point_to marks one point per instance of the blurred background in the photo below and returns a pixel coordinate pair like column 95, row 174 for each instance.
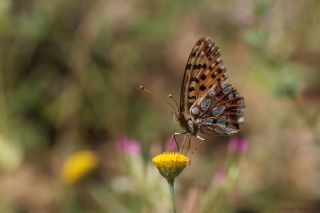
column 77, row 134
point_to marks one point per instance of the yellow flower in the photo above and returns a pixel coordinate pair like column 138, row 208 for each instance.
column 170, row 164
column 78, row 165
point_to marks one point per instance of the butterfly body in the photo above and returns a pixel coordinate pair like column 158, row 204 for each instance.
column 208, row 103
column 188, row 124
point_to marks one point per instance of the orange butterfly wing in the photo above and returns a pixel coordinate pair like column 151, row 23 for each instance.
column 206, row 97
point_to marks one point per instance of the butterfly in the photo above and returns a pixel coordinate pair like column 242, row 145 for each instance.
column 208, row 103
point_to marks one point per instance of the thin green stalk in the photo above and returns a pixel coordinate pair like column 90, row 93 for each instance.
column 173, row 201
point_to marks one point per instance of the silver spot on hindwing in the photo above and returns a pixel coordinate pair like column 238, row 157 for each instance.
column 239, row 109
column 230, row 126
column 221, row 122
column 226, row 88
column 212, row 92
column 207, row 121
column 204, row 104
column 231, row 96
column 218, row 110
column 240, row 102
column 195, row 110
column 231, row 129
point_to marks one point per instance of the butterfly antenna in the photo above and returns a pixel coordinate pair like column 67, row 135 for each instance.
column 156, row 96
column 175, row 101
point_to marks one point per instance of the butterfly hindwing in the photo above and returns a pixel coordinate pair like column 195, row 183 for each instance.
column 219, row 110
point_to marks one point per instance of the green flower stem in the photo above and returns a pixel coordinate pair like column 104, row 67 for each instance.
column 173, row 201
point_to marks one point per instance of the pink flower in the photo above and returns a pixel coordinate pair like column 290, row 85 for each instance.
column 218, row 177
column 130, row 146
column 238, row 145
column 170, row 145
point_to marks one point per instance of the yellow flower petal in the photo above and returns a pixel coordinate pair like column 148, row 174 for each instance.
column 77, row 165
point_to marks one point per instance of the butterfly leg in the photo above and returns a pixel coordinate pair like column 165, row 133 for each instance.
column 175, row 140
column 197, row 145
column 200, row 138
column 174, row 137
column 180, row 133
column 189, row 145
column 184, row 141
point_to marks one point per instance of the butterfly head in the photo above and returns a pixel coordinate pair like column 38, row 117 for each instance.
column 177, row 115
column 180, row 119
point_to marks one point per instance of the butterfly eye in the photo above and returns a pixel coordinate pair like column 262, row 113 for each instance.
column 180, row 116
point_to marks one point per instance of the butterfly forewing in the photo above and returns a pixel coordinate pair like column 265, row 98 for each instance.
column 207, row 100
column 204, row 67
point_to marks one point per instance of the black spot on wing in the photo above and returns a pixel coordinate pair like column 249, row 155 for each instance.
column 197, row 66
column 202, row 87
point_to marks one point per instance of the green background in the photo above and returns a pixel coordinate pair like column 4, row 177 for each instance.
column 69, row 77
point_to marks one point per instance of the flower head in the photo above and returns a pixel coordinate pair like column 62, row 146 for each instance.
column 238, row 145
column 78, row 165
column 170, row 164
column 130, row 146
